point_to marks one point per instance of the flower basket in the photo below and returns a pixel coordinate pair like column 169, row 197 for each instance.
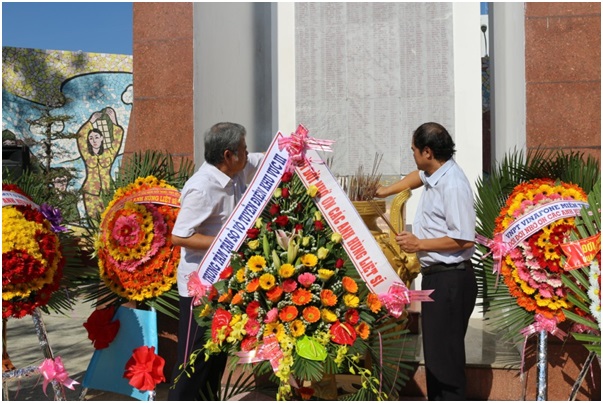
column 291, row 297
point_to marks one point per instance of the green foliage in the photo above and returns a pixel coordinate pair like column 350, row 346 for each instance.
column 307, row 369
column 502, row 313
column 588, row 223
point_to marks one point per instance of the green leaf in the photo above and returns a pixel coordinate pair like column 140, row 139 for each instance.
column 307, row 369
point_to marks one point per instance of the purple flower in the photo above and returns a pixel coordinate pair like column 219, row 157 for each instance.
column 53, row 215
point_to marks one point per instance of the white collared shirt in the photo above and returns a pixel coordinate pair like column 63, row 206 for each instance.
column 206, row 201
column 445, row 209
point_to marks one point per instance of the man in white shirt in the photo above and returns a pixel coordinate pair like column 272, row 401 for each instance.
column 207, row 200
column 444, row 235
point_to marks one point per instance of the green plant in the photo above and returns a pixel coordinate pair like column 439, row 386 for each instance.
column 582, row 281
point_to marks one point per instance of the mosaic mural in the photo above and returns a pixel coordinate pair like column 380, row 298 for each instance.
column 93, row 91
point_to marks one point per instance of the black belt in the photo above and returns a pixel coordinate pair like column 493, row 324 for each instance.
column 440, row 267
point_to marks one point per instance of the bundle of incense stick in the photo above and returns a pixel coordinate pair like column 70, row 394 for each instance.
column 382, row 215
column 361, row 187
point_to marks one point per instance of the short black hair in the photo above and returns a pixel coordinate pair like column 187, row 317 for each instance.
column 436, row 137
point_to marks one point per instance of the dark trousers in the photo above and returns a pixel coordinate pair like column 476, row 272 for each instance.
column 204, row 382
column 444, row 324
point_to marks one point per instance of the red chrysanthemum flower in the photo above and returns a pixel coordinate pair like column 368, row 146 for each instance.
column 253, row 309
column 226, row 273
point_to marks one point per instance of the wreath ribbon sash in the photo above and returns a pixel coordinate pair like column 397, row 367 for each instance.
column 10, row 198
column 525, row 226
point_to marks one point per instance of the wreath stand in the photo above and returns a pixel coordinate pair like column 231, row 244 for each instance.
column 541, row 366
column 583, row 372
column 10, row 373
column 542, row 370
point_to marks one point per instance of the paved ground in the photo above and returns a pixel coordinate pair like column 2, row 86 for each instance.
column 68, row 339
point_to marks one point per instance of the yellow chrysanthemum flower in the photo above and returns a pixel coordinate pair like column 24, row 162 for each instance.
column 275, row 328
column 240, row 275
column 286, row 270
column 267, row 281
column 298, row 328
column 544, row 238
column 550, row 253
column 527, row 289
column 256, row 263
column 309, row 260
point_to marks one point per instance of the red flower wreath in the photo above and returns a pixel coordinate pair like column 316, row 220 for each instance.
column 32, row 261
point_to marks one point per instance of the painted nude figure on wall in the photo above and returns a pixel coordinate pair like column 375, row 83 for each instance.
column 99, row 141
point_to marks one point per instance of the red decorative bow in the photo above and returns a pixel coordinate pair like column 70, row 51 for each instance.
column 144, row 369
column 101, row 327
column 55, row 370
